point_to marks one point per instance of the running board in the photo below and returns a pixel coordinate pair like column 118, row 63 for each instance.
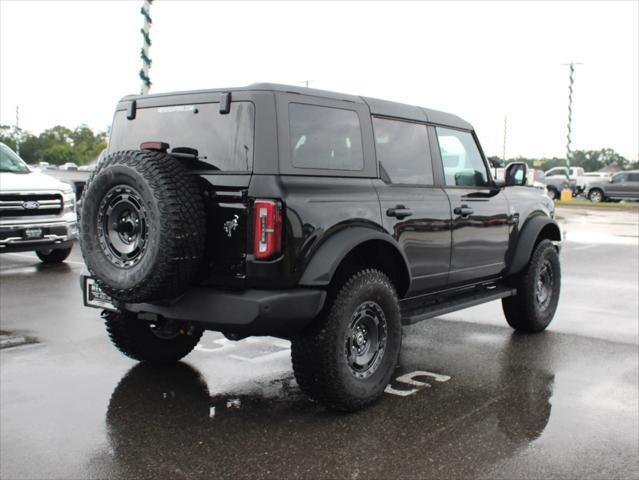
column 460, row 302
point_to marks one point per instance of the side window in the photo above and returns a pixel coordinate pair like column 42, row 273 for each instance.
column 403, row 152
column 620, row 177
column 463, row 165
column 325, row 138
column 633, row 177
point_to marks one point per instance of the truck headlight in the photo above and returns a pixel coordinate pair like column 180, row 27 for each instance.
column 69, row 202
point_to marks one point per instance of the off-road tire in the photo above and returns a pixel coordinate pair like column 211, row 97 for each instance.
column 596, row 195
column 175, row 223
column 319, row 358
column 135, row 338
column 523, row 311
column 53, row 256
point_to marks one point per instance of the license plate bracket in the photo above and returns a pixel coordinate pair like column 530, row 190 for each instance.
column 95, row 297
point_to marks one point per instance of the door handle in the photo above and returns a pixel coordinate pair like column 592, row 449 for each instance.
column 464, row 211
column 400, row 211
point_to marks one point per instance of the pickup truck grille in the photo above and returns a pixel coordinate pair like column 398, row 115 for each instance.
column 30, row 204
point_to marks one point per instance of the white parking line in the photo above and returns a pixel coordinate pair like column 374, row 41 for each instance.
column 32, row 258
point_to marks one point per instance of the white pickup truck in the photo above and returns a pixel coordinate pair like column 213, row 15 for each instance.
column 577, row 174
column 37, row 212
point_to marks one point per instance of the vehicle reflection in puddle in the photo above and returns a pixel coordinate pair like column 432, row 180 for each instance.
column 158, row 417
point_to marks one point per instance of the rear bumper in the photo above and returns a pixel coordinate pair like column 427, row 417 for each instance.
column 247, row 312
column 55, row 235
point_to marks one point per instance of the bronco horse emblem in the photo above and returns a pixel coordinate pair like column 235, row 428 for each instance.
column 231, row 225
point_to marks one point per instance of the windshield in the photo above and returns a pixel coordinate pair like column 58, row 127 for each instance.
column 223, row 141
column 10, row 162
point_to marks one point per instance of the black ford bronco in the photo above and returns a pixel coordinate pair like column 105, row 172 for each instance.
column 327, row 219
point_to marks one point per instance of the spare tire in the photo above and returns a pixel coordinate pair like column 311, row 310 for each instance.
column 142, row 226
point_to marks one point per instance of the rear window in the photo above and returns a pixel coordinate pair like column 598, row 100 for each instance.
column 325, row 138
column 223, row 141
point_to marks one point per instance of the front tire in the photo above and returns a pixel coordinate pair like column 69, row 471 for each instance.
column 53, row 256
column 157, row 344
column 533, row 307
column 346, row 358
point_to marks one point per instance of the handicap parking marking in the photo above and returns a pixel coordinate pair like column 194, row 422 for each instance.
column 409, row 379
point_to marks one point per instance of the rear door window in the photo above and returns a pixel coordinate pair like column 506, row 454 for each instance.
column 403, row 151
column 325, row 138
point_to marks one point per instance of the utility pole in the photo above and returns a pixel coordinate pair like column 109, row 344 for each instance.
column 569, row 135
column 144, row 52
column 18, row 130
column 503, row 154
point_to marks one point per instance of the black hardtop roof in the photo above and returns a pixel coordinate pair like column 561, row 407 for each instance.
column 376, row 106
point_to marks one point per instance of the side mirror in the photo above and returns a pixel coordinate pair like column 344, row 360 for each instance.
column 516, row 174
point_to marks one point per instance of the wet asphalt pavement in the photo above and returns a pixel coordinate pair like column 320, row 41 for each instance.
column 489, row 403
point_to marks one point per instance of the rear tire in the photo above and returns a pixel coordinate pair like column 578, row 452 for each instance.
column 346, row 358
column 596, row 195
column 553, row 194
column 53, row 256
column 139, row 340
column 534, row 306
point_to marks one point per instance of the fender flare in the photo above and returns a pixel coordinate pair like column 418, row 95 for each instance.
column 527, row 239
column 326, row 259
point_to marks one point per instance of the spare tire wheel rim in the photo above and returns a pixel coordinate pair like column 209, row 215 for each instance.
column 123, row 226
column 365, row 341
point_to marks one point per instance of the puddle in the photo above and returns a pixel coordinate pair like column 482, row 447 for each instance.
column 15, row 339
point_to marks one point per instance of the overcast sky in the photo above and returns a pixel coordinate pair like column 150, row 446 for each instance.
column 69, row 62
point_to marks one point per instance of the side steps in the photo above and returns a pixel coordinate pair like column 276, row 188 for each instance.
column 414, row 311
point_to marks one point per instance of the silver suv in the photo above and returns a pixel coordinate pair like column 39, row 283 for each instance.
column 37, row 212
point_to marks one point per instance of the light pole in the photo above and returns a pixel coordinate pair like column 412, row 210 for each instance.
column 569, row 134
column 18, row 130
column 144, row 52
column 503, row 153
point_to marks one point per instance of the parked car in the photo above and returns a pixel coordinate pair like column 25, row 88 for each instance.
column 68, row 166
column 577, row 177
column 37, row 212
column 621, row 186
column 324, row 218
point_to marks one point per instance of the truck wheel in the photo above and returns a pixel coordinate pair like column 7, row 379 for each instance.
column 346, row 358
column 142, row 226
column 553, row 194
column 53, row 256
column 152, row 343
column 534, row 305
column 595, row 195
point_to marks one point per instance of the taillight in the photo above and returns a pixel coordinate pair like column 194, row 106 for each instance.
column 268, row 229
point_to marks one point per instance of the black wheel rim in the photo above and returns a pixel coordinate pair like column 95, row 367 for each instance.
column 166, row 330
column 544, row 285
column 123, row 226
column 365, row 341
